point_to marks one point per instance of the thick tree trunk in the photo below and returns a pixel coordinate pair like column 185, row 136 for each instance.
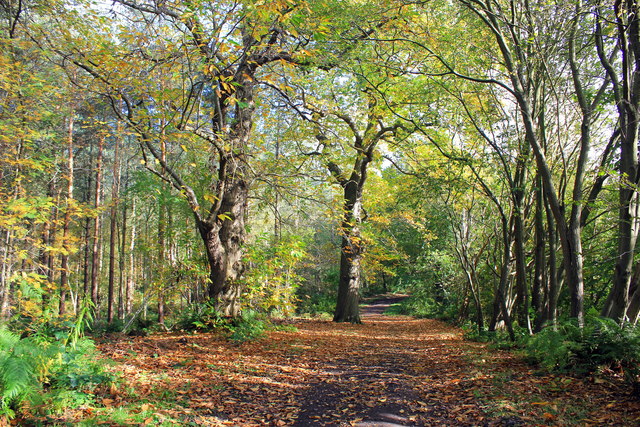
column 347, row 307
column 626, row 87
column 223, row 239
column 351, row 251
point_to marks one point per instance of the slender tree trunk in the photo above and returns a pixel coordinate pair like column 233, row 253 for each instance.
column 65, row 271
column 504, row 278
column 513, row 51
column 634, row 297
column 130, row 285
column 97, row 225
column 5, row 274
column 522, row 300
column 88, row 242
column 122, row 261
column 162, row 254
column 113, row 229
column 554, row 279
column 48, row 236
column 540, row 288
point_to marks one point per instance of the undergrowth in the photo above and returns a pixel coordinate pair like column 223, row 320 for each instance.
column 601, row 345
column 251, row 325
column 48, row 369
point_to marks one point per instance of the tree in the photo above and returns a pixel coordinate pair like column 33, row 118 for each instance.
column 208, row 59
column 624, row 76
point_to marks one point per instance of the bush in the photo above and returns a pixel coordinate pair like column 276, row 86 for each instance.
column 250, row 326
column 318, row 303
column 601, row 343
column 420, row 305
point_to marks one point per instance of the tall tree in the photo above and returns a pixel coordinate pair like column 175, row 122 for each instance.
column 625, row 79
column 216, row 52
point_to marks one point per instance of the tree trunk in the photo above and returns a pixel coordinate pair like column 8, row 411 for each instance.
column 223, row 239
column 130, row 285
column 522, row 299
column 634, row 297
column 351, row 250
column 88, row 245
column 513, row 51
column 162, row 268
column 554, row 279
column 122, row 259
column 64, row 268
column 540, row 288
column 96, row 249
column 504, row 278
column 48, row 240
column 626, row 88
column 5, row 274
column 113, row 229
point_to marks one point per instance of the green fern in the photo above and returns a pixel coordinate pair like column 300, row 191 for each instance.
column 18, row 371
column 18, row 376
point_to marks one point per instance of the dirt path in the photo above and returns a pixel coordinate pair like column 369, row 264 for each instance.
column 389, row 371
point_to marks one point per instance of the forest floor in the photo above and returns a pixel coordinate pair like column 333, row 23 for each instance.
column 388, row 371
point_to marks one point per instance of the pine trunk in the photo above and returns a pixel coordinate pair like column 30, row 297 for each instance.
column 64, row 273
column 96, row 238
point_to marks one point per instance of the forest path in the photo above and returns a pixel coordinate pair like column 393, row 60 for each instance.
column 388, row 371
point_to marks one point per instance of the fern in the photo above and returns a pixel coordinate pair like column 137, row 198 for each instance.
column 601, row 343
column 18, row 376
column 8, row 340
column 38, row 363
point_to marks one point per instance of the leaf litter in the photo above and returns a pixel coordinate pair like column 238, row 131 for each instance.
column 390, row 370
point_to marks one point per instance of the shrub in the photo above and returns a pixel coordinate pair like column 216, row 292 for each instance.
column 318, row 303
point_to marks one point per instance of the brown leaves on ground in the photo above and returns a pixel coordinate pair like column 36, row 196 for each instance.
column 394, row 370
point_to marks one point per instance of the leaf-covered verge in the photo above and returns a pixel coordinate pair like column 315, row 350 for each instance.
column 389, row 369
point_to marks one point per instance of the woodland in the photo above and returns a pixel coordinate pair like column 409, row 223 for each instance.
column 185, row 184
